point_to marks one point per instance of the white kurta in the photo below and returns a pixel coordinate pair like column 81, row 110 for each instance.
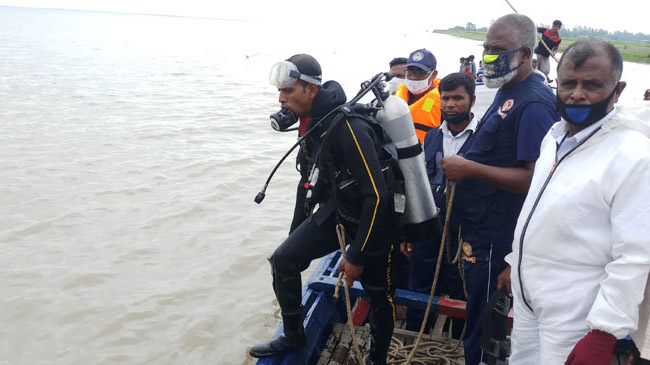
column 585, row 253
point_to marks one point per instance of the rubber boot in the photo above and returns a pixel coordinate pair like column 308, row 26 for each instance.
column 292, row 339
column 381, row 326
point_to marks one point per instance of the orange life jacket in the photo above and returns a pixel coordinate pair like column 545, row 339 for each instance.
column 426, row 111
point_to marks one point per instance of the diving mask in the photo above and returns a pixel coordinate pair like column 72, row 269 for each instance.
column 284, row 74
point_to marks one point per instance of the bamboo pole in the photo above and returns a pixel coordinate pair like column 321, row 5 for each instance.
column 538, row 36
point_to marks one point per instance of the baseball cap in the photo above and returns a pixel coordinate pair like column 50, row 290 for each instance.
column 422, row 59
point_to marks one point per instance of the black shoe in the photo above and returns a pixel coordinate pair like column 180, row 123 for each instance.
column 292, row 339
column 283, row 344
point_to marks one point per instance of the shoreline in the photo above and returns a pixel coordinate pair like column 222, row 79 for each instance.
column 636, row 52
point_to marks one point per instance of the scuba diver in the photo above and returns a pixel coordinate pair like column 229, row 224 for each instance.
column 346, row 174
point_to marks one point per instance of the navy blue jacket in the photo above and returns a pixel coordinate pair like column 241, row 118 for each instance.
column 433, row 155
column 487, row 214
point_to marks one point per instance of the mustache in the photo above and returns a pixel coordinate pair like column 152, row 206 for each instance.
column 491, row 69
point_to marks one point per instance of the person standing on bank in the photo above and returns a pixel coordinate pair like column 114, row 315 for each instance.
column 472, row 65
column 349, row 151
column 550, row 37
column 495, row 173
column 452, row 137
column 420, row 91
column 581, row 254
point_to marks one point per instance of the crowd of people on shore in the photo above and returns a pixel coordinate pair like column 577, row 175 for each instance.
column 550, row 196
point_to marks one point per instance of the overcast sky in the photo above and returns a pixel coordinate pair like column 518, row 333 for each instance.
column 388, row 15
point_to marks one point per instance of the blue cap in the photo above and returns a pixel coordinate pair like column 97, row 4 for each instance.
column 422, row 59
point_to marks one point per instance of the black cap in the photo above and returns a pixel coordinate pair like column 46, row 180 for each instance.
column 307, row 65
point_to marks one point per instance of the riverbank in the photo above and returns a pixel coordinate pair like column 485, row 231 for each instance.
column 631, row 51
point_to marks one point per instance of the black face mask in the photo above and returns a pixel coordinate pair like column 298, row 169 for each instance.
column 458, row 119
column 584, row 115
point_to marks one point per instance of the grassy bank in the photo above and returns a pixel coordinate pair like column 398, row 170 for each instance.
column 631, row 51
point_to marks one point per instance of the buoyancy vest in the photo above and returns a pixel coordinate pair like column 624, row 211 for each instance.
column 555, row 39
column 549, row 40
column 426, row 111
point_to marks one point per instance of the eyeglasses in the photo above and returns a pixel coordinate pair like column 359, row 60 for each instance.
column 416, row 73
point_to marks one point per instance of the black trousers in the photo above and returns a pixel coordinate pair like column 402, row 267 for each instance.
column 310, row 241
column 423, row 268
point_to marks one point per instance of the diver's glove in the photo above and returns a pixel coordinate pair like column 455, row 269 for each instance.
column 595, row 348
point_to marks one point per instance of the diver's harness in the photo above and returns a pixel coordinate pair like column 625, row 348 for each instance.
column 329, row 184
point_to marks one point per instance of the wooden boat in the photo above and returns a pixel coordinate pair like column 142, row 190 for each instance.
column 323, row 311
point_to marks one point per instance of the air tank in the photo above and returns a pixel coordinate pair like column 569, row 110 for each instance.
column 420, row 211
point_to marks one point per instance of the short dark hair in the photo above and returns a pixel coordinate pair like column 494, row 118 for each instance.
column 306, row 64
column 580, row 51
column 453, row 81
column 397, row 61
column 462, row 58
column 471, row 57
column 558, row 23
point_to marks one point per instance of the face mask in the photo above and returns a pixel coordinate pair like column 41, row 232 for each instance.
column 393, row 84
column 584, row 115
column 500, row 67
column 458, row 119
column 417, row 87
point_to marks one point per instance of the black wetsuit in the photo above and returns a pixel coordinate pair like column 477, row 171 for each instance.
column 351, row 155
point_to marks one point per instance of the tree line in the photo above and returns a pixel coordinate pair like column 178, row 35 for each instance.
column 579, row 32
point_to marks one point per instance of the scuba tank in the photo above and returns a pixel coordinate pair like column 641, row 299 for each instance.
column 420, row 213
column 420, row 219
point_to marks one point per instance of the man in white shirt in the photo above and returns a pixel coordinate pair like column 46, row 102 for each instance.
column 451, row 138
column 581, row 250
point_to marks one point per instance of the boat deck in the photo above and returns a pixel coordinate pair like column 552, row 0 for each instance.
column 434, row 348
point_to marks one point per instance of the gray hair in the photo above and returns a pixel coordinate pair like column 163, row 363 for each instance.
column 522, row 28
column 584, row 49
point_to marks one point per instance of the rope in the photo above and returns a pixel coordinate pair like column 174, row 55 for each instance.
column 340, row 233
column 433, row 351
column 445, row 231
column 538, row 36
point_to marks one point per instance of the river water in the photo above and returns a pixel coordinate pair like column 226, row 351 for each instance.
column 131, row 148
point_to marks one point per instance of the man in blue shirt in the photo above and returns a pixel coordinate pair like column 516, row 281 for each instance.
column 495, row 173
column 451, row 138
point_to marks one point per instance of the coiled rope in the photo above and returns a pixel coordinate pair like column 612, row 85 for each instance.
column 432, row 351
